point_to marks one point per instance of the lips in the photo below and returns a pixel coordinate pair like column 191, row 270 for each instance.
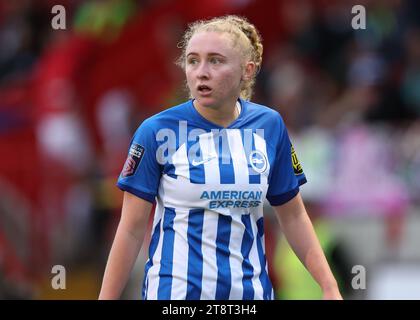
column 204, row 89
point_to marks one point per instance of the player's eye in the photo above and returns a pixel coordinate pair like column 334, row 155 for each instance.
column 192, row 61
column 215, row 60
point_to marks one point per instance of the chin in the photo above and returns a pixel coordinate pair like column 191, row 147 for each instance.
column 205, row 101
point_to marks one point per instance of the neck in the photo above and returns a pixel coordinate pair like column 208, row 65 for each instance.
column 222, row 116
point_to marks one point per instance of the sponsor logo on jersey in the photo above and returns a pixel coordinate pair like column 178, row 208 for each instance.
column 232, row 199
column 133, row 160
column 297, row 168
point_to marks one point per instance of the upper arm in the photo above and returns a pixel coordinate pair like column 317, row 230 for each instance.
column 141, row 172
column 135, row 213
column 286, row 174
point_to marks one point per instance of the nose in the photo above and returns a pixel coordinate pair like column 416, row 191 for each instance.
column 203, row 71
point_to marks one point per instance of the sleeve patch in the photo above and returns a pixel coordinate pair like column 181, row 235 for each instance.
column 133, row 160
column 297, row 168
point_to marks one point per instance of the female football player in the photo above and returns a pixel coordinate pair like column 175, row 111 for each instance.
column 209, row 164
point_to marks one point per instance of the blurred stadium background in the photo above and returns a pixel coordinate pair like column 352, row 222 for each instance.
column 71, row 99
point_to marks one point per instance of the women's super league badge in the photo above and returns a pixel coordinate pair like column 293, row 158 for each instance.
column 133, row 160
column 297, row 168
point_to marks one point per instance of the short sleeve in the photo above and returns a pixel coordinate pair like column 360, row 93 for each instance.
column 141, row 172
column 287, row 173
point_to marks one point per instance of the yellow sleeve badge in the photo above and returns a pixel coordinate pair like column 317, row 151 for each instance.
column 297, row 168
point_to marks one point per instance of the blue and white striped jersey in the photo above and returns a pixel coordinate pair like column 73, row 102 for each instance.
column 210, row 183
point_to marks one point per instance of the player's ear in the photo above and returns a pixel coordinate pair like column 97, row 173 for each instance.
column 248, row 71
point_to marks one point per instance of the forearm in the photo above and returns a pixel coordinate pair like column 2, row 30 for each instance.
column 299, row 232
column 122, row 257
column 302, row 238
column 126, row 246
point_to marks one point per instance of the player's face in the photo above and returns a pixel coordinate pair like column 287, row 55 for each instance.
column 213, row 69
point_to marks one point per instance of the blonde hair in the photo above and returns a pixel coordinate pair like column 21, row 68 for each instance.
column 242, row 32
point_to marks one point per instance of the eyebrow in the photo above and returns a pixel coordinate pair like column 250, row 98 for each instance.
column 210, row 54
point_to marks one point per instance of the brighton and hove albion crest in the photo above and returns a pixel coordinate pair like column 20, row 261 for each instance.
column 258, row 161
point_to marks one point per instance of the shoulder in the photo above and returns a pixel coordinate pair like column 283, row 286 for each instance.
column 269, row 115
